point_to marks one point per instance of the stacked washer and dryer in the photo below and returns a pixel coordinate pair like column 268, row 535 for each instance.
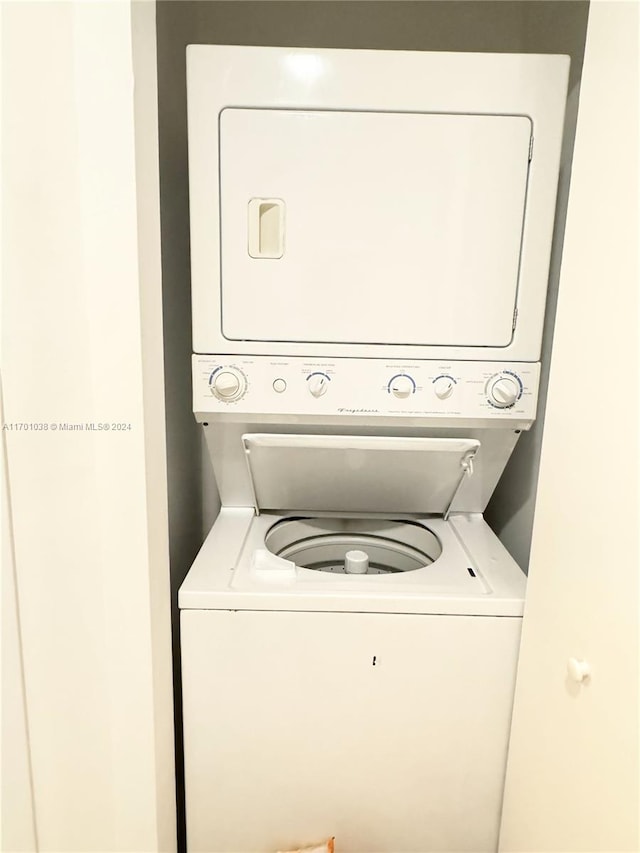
column 371, row 234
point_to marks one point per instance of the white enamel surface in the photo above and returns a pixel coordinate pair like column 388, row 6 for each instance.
column 269, row 568
column 234, row 482
column 573, row 776
column 377, row 728
column 222, row 575
column 366, row 388
column 352, row 473
column 362, row 82
column 410, row 223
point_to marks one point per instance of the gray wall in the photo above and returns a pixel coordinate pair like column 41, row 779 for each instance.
column 455, row 25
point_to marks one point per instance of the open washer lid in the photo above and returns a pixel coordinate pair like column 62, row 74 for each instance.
column 352, row 473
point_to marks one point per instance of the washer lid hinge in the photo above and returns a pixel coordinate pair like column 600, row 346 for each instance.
column 466, row 464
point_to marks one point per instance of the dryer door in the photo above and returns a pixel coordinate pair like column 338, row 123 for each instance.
column 370, row 227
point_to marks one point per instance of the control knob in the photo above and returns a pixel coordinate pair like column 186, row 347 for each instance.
column 228, row 384
column 402, row 386
column 503, row 390
column 443, row 387
column 317, row 384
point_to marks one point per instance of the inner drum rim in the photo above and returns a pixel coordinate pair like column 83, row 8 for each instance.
column 410, row 544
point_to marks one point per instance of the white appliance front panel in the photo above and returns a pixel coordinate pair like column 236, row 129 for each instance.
column 365, row 388
column 388, row 731
column 527, row 90
column 392, row 228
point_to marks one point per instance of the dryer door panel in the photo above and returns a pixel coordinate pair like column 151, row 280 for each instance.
column 376, row 228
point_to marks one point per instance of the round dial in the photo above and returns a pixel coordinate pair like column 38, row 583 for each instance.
column 402, row 386
column 317, row 383
column 228, row 384
column 443, row 387
column 503, row 390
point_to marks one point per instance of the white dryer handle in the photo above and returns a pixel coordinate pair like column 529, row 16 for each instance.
column 266, row 228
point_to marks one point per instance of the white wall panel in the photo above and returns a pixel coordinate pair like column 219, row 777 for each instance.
column 572, row 778
column 17, row 819
column 82, row 344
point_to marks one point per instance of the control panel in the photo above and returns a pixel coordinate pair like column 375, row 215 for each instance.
column 271, row 385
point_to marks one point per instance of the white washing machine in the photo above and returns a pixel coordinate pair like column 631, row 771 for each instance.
column 370, row 244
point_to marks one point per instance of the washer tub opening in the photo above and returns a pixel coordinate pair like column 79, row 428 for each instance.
column 322, row 544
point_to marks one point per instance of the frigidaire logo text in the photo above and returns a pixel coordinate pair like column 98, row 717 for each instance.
column 360, row 411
